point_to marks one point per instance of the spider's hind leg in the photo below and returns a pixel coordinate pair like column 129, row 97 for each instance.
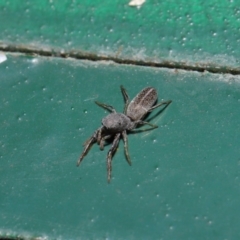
column 166, row 103
column 88, row 144
column 140, row 122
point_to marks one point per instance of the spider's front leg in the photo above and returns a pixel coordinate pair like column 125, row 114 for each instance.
column 88, row 144
column 110, row 155
column 102, row 141
column 99, row 135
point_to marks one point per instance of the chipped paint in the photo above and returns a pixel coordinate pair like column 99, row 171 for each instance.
column 3, row 57
column 136, row 3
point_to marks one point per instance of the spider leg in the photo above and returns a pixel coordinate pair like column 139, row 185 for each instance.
column 99, row 135
column 147, row 123
column 160, row 104
column 153, row 126
column 124, row 134
column 102, row 141
column 126, row 98
column 105, row 106
column 110, row 155
column 166, row 103
column 88, row 144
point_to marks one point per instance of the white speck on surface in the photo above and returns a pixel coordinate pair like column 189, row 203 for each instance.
column 34, row 60
column 3, row 57
column 136, row 3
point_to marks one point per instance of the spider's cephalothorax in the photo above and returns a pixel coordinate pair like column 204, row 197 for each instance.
column 117, row 125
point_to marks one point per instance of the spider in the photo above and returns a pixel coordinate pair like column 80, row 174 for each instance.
column 117, row 125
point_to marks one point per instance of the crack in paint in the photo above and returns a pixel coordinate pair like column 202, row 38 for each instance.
column 81, row 55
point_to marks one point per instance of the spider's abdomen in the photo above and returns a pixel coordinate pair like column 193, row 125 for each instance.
column 140, row 105
column 117, row 122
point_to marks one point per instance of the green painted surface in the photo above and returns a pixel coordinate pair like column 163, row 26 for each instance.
column 193, row 32
column 183, row 184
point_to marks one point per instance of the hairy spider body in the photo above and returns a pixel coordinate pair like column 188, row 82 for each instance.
column 142, row 103
column 117, row 125
column 117, row 122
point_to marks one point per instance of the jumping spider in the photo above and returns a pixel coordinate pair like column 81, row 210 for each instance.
column 117, row 125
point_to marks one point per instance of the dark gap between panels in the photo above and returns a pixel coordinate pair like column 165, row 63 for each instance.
column 93, row 57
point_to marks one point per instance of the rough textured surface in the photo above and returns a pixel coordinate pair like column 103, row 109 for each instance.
column 184, row 181
column 196, row 32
